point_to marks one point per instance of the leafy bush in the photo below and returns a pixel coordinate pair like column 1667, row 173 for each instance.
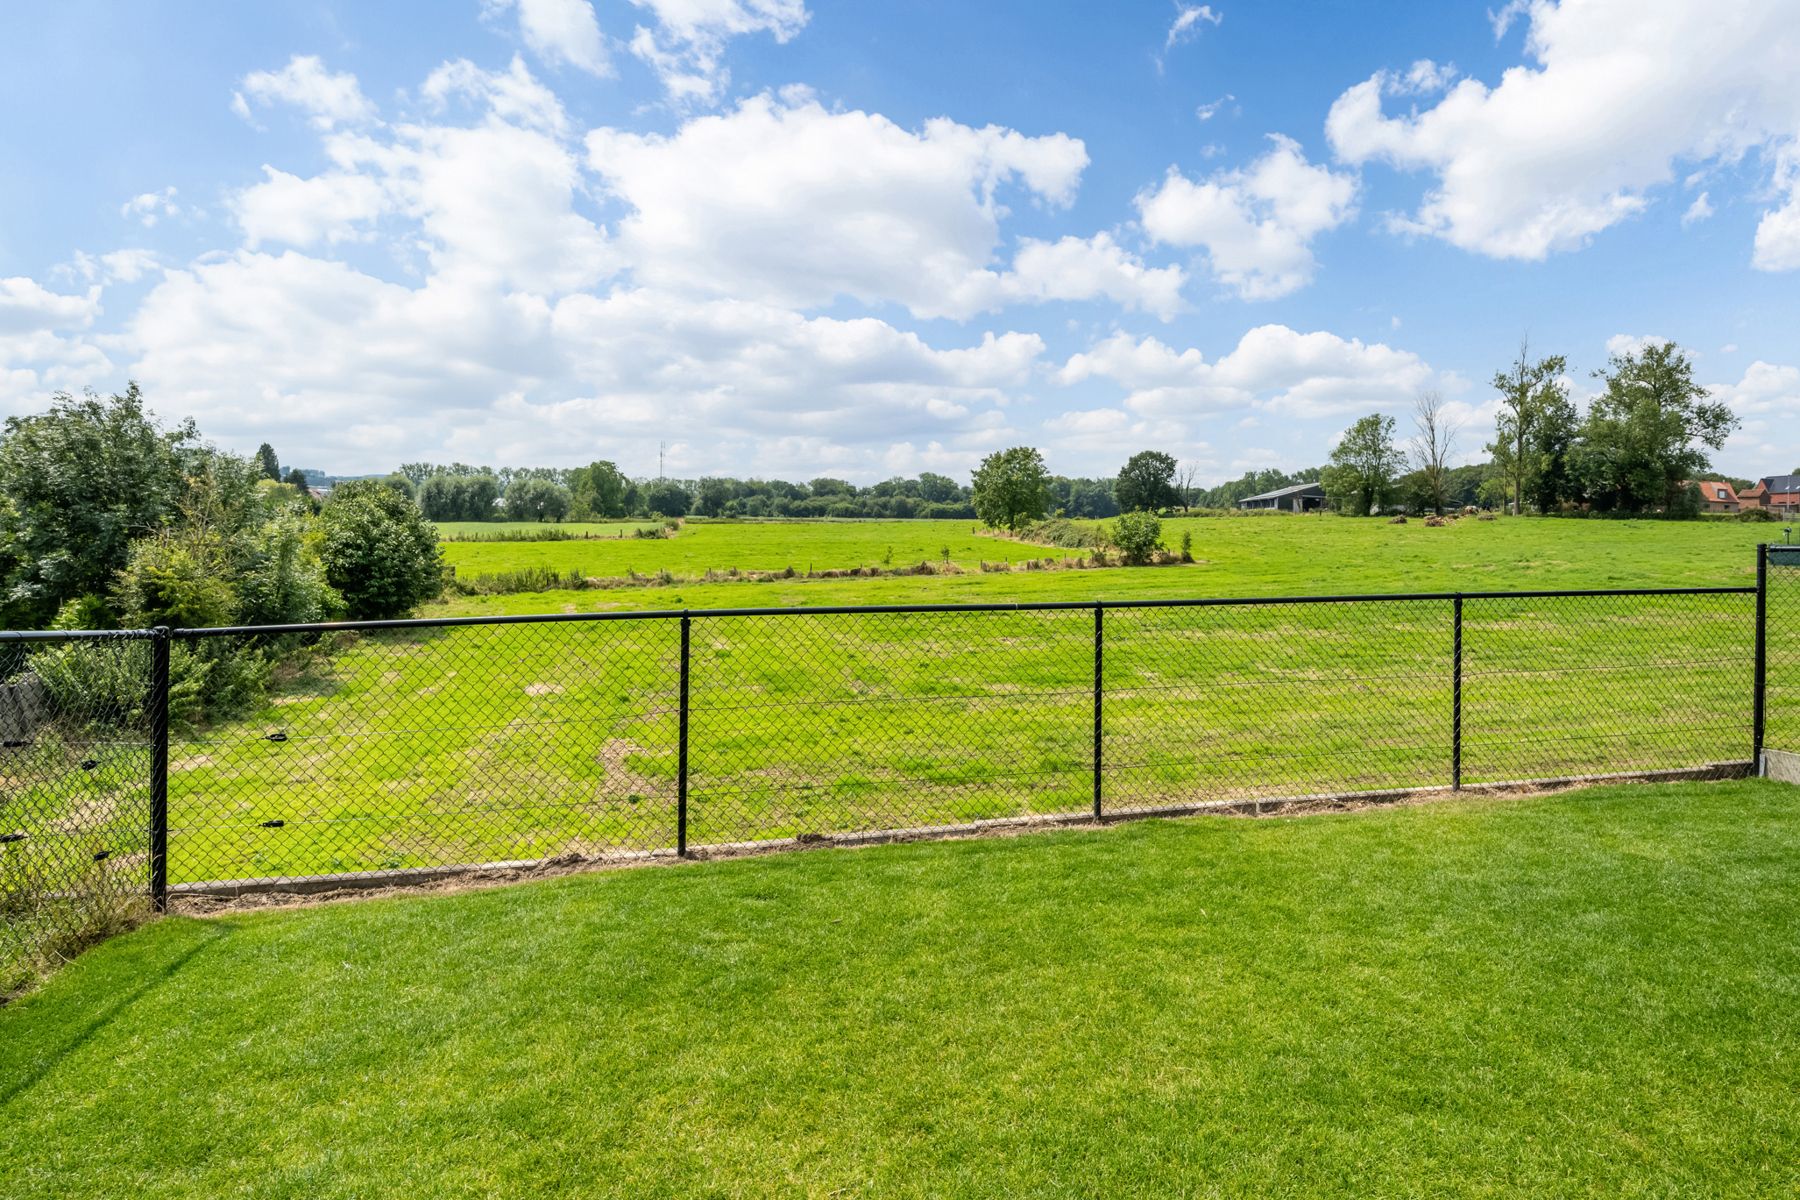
column 110, row 682
column 175, row 579
column 379, row 552
column 1059, row 531
column 1138, row 535
column 1757, row 514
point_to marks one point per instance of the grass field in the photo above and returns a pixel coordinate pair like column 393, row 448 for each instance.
column 1242, row 556
column 751, row 546
column 454, row 530
column 422, row 748
column 1588, row 994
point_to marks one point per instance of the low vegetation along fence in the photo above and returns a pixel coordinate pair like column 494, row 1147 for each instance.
column 394, row 750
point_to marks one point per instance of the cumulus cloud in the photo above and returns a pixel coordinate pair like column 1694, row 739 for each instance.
column 1623, row 344
column 1765, row 400
column 43, row 340
column 560, row 32
column 329, row 99
column 1255, row 223
column 332, row 207
column 783, row 201
column 687, row 41
column 1272, row 367
column 1777, row 245
column 1616, row 99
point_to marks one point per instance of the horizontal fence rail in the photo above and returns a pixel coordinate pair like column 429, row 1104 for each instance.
column 145, row 763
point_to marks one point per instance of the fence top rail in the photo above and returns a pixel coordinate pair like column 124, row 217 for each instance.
column 878, row 609
column 75, row 635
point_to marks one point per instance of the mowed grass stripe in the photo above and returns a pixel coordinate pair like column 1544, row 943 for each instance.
column 1586, row 994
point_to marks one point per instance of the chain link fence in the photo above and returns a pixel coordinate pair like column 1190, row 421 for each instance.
column 397, row 751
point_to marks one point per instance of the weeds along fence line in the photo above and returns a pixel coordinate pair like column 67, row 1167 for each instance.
column 390, row 751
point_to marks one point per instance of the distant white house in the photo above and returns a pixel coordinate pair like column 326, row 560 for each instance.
column 1301, row 497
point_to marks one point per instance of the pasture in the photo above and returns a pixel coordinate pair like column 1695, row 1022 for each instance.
column 1590, row 993
column 453, row 531
column 489, row 743
column 1238, row 556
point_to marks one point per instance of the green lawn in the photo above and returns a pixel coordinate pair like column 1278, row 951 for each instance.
column 1591, row 994
column 1240, row 556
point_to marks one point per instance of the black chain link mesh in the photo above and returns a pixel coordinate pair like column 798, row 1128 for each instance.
column 1781, row 723
column 75, row 759
column 396, row 750
column 1598, row 684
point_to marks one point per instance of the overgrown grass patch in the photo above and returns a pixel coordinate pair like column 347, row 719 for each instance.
column 1592, row 993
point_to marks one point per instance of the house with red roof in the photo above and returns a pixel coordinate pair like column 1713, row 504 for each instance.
column 1716, row 496
column 1778, row 492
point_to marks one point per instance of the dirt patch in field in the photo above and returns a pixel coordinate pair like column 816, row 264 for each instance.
column 544, row 689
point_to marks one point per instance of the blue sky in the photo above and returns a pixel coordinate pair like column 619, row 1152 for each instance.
column 795, row 238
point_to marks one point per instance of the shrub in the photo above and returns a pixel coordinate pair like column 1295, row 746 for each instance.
column 379, row 552
column 1187, row 545
column 1138, row 535
column 1756, row 514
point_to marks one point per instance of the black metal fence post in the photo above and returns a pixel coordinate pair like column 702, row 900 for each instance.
column 1099, row 662
column 1759, row 686
column 1456, row 674
column 681, row 786
column 159, row 768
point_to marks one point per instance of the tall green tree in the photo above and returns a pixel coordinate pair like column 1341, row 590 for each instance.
column 297, row 478
column 1011, row 488
column 1146, row 482
column 599, row 490
column 266, row 460
column 77, row 484
column 1534, row 402
column 1360, row 477
column 1648, row 432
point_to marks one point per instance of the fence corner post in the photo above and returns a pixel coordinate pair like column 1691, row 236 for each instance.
column 1759, row 685
column 681, row 753
column 1099, row 667
column 159, row 768
column 1456, row 688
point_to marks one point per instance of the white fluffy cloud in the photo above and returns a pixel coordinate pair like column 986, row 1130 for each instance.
column 560, row 32
column 1765, row 399
column 43, row 340
column 1256, row 223
column 330, row 99
column 1273, row 367
column 1777, row 245
column 686, row 44
column 783, row 201
column 332, row 207
column 1622, row 93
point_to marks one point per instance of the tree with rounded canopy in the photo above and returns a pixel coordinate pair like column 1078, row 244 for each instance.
column 666, row 499
column 531, row 499
column 1146, row 482
column 1646, row 434
column 380, row 553
column 265, row 458
column 1011, row 488
column 1363, row 465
